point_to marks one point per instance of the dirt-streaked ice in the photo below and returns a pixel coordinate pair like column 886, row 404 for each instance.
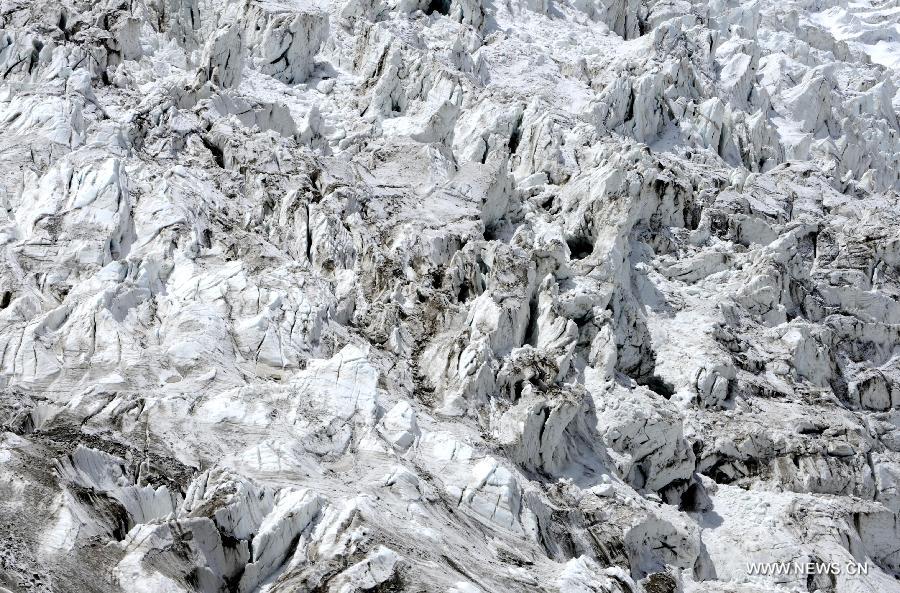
column 458, row 296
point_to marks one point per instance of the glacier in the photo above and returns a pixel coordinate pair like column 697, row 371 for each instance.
column 458, row 296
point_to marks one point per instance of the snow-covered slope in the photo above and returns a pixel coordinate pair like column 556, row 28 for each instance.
column 453, row 296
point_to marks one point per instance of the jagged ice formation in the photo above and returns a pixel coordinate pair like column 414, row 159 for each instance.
column 457, row 296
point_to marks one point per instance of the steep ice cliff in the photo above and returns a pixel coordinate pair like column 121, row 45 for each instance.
column 451, row 296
